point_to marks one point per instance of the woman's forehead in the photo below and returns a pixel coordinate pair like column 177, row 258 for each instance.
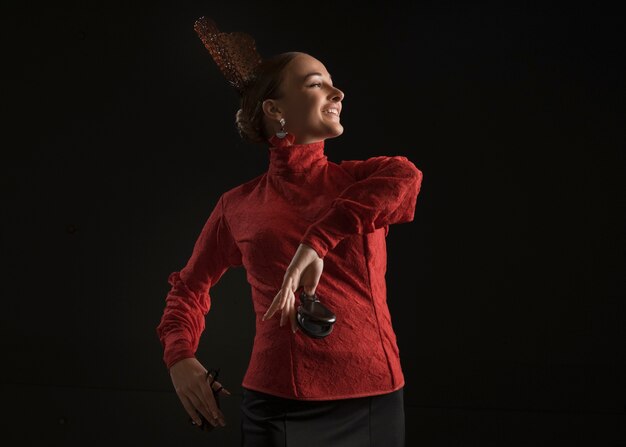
column 304, row 65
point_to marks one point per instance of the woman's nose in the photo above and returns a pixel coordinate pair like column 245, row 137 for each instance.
column 338, row 94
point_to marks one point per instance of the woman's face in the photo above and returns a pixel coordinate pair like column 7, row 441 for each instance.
column 306, row 97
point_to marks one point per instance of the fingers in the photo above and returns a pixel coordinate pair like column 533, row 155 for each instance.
column 190, row 409
column 279, row 300
column 289, row 313
column 276, row 304
column 292, row 316
column 284, row 301
column 209, row 405
column 206, row 409
column 202, row 402
column 287, row 310
column 191, row 382
column 196, row 407
column 218, row 386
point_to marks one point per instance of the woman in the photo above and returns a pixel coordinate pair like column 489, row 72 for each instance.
column 345, row 388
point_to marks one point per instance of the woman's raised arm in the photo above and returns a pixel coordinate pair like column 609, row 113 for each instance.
column 385, row 192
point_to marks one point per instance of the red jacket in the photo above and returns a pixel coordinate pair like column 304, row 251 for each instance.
column 343, row 211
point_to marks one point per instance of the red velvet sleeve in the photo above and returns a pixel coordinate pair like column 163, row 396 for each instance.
column 385, row 192
column 188, row 301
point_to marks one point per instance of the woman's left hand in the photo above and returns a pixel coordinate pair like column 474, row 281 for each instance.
column 304, row 270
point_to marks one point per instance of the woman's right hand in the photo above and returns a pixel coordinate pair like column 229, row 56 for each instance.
column 192, row 386
column 305, row 269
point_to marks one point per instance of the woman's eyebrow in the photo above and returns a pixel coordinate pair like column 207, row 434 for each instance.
column 315, row 73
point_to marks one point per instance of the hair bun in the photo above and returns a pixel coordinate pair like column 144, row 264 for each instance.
column 245, row 128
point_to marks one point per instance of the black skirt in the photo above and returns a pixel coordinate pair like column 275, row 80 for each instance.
column 371, row 421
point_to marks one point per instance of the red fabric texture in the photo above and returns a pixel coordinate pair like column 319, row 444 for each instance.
column 343, row 211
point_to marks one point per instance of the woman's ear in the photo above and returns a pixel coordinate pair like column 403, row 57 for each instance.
column 271, row 109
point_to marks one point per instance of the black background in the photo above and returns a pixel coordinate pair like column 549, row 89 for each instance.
column 506, row 291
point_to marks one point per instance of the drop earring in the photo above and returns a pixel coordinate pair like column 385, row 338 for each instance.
column 282, row 138
column 282, row 133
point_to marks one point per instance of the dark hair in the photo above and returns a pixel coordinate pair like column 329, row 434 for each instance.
column 266, row 85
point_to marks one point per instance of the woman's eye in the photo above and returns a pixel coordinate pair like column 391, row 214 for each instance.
column 315, row 84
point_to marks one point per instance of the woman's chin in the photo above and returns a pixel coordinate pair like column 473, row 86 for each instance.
column 328, row 132
column 336, row 131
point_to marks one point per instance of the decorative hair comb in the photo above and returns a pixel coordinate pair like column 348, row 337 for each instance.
column 234, row 53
